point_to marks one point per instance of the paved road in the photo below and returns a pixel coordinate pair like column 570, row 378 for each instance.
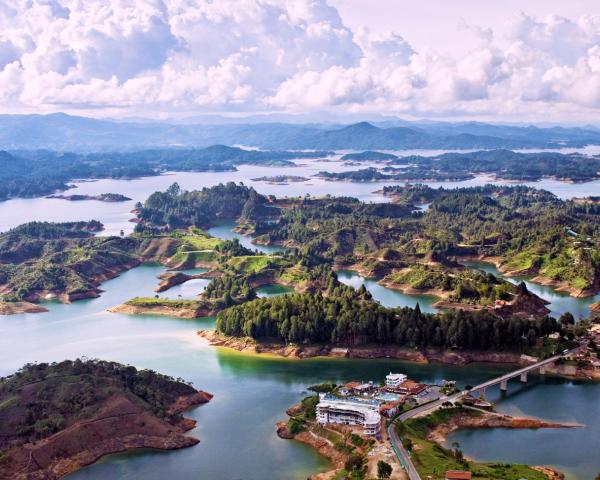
column 405, row 457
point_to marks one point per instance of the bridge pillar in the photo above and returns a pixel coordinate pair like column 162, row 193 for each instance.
column 524, row 377
column 481, row 392
column 543, row 370
column 503, row 385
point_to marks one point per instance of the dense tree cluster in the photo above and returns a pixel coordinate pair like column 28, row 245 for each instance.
column 350, row 319
column 176, row 208
column 230, row 289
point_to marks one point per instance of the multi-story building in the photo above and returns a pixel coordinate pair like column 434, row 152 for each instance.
column 393, row 380
column 348, row 411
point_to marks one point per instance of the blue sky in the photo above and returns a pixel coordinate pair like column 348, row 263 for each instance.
column 463, row 59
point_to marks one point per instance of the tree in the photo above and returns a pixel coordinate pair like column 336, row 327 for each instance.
column 384, row 470
column 567, row 319
column 407, row 444
column 355, row 462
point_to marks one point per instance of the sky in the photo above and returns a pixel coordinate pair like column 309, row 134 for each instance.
column 509, row 60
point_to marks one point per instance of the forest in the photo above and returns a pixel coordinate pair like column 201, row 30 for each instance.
column 530, row 231
column 349, row 318
column 176, row 208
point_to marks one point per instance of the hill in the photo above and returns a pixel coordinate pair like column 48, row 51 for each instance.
column 57, row 418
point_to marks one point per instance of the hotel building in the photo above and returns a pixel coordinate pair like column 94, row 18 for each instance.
column 346, row 411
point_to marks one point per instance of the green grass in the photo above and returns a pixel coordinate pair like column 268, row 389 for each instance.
column 202, row 242
column 252, row 264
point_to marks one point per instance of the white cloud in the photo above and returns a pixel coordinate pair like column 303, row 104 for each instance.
column 195, row 55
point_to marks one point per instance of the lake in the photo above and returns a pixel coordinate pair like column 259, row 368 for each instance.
column 237, row 428
column 117, row 216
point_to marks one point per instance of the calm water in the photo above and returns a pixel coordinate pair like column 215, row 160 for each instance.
column 387, row 296
column 225, row 231
column 190, row 289
column 252, row 393
column 117, row 216
column 572, row 451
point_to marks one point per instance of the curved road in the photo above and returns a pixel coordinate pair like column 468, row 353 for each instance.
column 404, row 456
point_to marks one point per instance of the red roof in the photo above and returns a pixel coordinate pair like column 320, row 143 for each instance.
column 352, row 384
column 458, row 475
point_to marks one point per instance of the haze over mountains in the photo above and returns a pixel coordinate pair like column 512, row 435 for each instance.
column 66, row 132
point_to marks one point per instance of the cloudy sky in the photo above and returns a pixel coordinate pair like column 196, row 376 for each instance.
column 502, row 60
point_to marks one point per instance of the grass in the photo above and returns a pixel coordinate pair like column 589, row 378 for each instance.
column 162, row 302
column 202, row 242
column 252, row 263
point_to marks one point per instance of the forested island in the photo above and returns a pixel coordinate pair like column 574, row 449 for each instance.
column 60, row 417
column 103, row 197
column 369, row 155
column 502, row 164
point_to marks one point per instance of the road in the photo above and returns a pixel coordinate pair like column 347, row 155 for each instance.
column 405, row 457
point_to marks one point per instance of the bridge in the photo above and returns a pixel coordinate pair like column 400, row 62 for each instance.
column 404, row 456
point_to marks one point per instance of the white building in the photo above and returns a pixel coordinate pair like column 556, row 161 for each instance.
column 346, row 411
column 395, row 379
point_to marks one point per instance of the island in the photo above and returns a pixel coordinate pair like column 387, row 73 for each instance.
column 348, row 323
column 103, row 197
column 281, row 179
column 60, row 417
column 369, row 155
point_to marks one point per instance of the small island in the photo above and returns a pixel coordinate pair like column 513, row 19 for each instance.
column 103, row 197
column 281, row 179
column 369, row 155
column 60, row 417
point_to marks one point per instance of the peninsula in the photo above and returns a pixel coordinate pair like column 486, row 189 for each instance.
column 60, row 417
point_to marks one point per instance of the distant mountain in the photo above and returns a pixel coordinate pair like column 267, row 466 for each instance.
column 70, row 133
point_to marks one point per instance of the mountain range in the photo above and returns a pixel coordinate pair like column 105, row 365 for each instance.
column 64, row 132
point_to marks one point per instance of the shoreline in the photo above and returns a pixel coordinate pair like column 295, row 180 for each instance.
column 490, row 420
column 189, row 313
column 249, row 346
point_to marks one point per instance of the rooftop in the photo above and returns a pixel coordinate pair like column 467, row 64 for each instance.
column 458, row 475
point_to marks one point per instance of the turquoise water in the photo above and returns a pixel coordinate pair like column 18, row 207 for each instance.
column 225, row 231
column 273, row 291
column 388, row 397
column 387, row 296
column 237, row 428
column 251, row 393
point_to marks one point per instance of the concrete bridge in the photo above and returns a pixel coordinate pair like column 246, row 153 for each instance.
column 521, row 373
column 404, row 456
